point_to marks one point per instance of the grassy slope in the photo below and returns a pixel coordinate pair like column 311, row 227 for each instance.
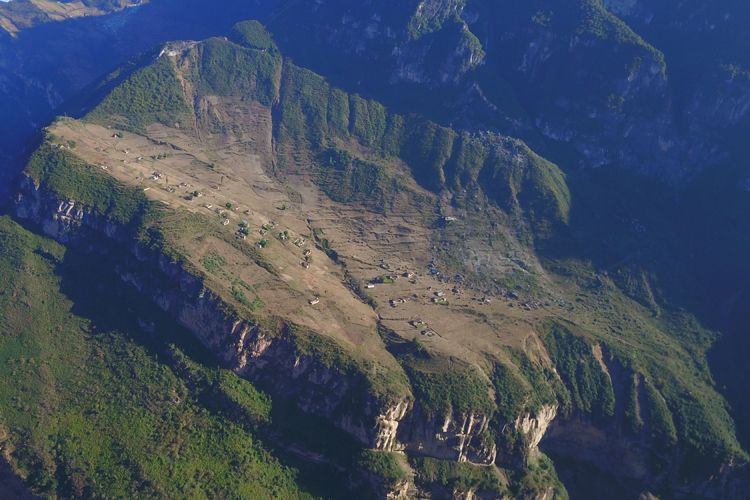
column 89, row 407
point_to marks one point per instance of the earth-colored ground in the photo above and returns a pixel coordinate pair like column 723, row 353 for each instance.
column 227, row 170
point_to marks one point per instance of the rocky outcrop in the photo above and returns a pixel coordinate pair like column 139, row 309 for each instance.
column 534, row 426
column 520, row 69
column 624, row 450
column 388, row 425
column 597, row 457
column 602, row 115
column 455, row 436
column 438, row 59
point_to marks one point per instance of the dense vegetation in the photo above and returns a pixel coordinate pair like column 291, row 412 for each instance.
column 64, row 173
column 254, row 35
column 590, row 387
column 347, row 179
column 315, row 116
column 151, row 94
column 459, row 477
column 224, row 69
column 385, row 383
column 540, row 478
column 524, row 385
column 383, row 465
column 696, row 417
column 442, row 386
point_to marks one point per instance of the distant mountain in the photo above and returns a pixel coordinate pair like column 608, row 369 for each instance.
column 571, row 77
column 18, row 15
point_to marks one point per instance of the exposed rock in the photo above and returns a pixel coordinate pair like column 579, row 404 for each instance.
column 449, row 437
column 388, row 423
column 534, row 427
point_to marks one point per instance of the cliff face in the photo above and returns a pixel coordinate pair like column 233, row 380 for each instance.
column 619, row 113
column 592, row 456
column 268, row 355
column 456, row 437
column 534, row 427
column 707, row 67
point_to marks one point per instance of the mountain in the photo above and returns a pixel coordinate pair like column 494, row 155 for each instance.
column 439, row 248
column 440, row 295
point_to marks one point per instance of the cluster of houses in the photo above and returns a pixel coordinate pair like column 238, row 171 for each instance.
column 266, row 227
column 422, row 327
column 531, row 306
column 439, row 298
column 307, row 256
column 433, row 268
column 395, row 302
column 244, row 230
